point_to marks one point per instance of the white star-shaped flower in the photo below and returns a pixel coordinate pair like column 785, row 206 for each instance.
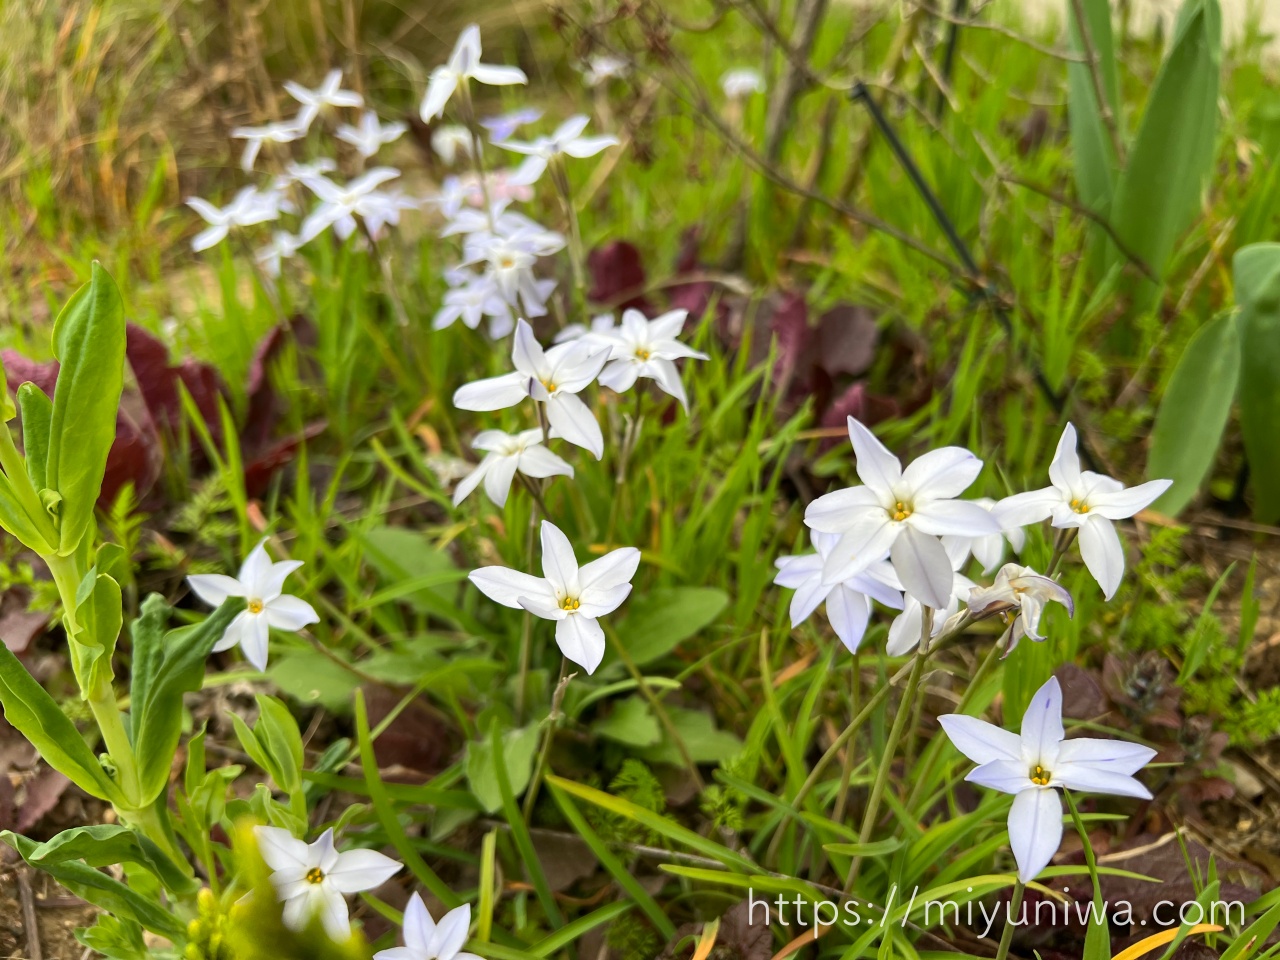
column 328, row 94
column 371, row 135
column 848, row 603
column 255, row 137
column 647, row 348
column 575, row 598
column 566, row 141
column 248, row 207
column 1031, row 765
column 902, row 513
column 741, row 82
column 464, row 65
column 506, row 455
column 314, row 879
column 261, row 583
column 1087, row 501
column 424, row 939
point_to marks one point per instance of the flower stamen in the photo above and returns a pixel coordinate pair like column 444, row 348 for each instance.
column 314, row 875
column 1079, row 506
column 901, row 510
column 1040, row 776
column 570, row 604
column 642, row 353
column 255, row 606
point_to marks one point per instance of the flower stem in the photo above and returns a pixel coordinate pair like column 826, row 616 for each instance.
column 561, row 180
column 1061, row 543
column 1015, row 905
column 548, row 735
column 526, row 623
column 890, row 750
column 629, row 438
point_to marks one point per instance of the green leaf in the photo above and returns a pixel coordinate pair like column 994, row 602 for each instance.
column 1256, row 271
column 34, row 714
column 875, row 848
column 278, row 733
column 1194, row 412
column 37, row 410
column 630, row 722
column 1091, row 143
column 1159, row 191
column 15, row 518
column 99, row 618
column 105, row 845
column 88, row 340
column 148, row 653
column 518, row 748
column 704, row 742
column 403, row 556
column 179, row 671
column 103, row 891
column 7, row 408
column 664, row 619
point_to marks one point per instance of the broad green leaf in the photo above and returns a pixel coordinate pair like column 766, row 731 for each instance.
column 630, row 722
column 147, row 652
column 400, row 555
column 34, row 714
column 88, row 340
column 1159, row 191
column 661, row 621
column 8, row 410
column 37, row 410
column 180, row 671
column 99, row 618
column 1194, row 412
column 278, row 733
column 1256, row 271
column 16, row 519
column 877, row 848
column 311, row 680
column 518, row 748
column 1091, row 145
column 697, row 729
column 104, row 845
column 103, row 891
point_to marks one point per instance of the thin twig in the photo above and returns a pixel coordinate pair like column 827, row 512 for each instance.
column 1000, row 29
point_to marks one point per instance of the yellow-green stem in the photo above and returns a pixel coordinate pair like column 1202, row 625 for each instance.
column 1015, row 905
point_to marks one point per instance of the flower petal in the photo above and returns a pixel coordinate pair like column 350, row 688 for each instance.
column 1090, row 779
column 281, row 850
column 1024, row 508
column 1118, row 756
column 1035, row 830
column 603, row 602
column 559, row 565
column 1129, row 501
column 1064, row 471
column 451, row 933
column 467, row 485
column 837, row 511
column 333, row 914
column 877, row 467
column 213, row 588
column 959, row 518
column 497, row 480
column 419, row 928
column 980, row 741
column 492, row 393
column 1103, row 553
column 1007, row 776
column 664, row 373
column 581, row 640
column 923, row 567
column 287, row 612
column 1042, row 725
column 255, row 572
column 506, row 586
column 497, row 76
column 849, row 612
column 255, row 640
column 941, row 474
column 613, row 569
column 864, row 544
column 538, row 461
column 574, row 421
column 526, row 352
column 359, row 870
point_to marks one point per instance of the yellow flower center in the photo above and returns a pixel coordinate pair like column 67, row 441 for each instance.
column 642, row 353
column 506, row 262
column 570, row 604
column 315, row 875
column 1040, row 776
column 549, row 384
column 901, row 510
column 255, row 606
column 1079, row 506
